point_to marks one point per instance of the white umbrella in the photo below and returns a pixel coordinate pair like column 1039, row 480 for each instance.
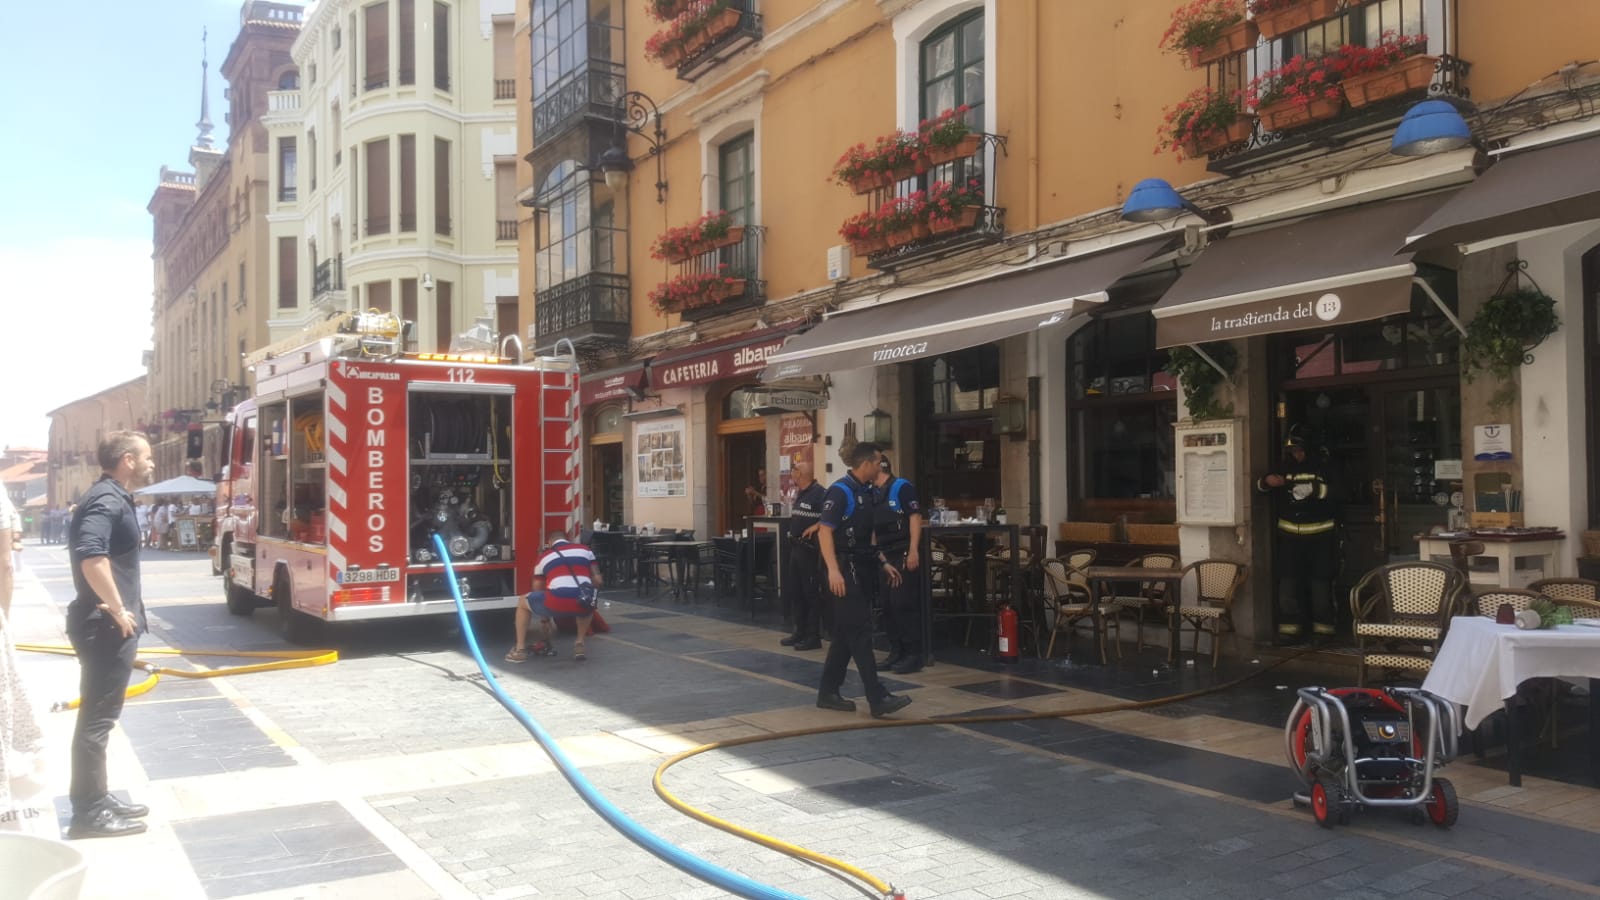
column 183, row 484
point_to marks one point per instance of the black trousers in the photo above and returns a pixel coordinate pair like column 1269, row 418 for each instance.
column 1305, row 582
column 852, row 634
column 805, row 605
column 105, row 665
column 902, row 605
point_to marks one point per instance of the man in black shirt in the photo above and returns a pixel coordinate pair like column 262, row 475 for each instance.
column 805, row 563
column 104, row 622
column 854, row 565
column 897, row 527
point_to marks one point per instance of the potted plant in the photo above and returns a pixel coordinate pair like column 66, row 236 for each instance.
column 666, row 10
column 712, row 231
column 1200, row 379
column 667, row 45
column 953, row 207
column 1275, row 17
column 855, row 170
column 947, row 136
column 1502, row 335
column 861, row 231
column 900, row 154
column 696, row 290
column 722, row 19
column 904, row 219
column 1395, row 65
column 1204, row 121
column 1205, row 31
column 1301, row 91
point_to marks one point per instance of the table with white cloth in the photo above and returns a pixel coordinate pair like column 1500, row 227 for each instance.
column 1481, row 663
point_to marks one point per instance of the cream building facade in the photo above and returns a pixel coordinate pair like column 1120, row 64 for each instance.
column 75, row 432
column 391, row 184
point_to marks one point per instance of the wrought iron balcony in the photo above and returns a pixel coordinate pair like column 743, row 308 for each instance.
column 589, row 92
column 741, row 261
column 592, row 307
column 329, row 278
column 721, row 46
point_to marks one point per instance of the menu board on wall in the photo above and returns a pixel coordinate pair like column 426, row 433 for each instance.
column 660, row 455
column 1208, row 473
column 795, row 439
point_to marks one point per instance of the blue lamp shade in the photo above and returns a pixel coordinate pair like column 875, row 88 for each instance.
column 1153, row 200
column 1432, row 126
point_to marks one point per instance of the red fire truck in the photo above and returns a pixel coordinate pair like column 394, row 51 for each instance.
column 350, row 456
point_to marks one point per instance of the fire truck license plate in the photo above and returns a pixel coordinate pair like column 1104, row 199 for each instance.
column 367, row 576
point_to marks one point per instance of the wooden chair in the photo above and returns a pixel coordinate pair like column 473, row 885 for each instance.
column 1216, row 583
column 1461, row 554
column 1068, row 598
column 1401, row 612
column 1488, row 602
column 1580, row 594
column 1151, row 595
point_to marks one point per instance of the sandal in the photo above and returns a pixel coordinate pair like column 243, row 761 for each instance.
column 517, row 655
column 577, row 652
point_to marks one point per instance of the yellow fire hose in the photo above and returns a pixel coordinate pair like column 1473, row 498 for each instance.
column 282, row 659
column 883, row 887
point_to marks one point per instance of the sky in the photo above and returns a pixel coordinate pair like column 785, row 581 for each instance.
column 98, row 96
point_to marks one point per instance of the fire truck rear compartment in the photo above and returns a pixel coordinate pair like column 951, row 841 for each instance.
column 460, row 485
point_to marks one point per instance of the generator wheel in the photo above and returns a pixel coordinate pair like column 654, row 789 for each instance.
column 1443, row 807
column 1325, row 804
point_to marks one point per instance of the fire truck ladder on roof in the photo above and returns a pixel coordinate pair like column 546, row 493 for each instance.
column 560, row 455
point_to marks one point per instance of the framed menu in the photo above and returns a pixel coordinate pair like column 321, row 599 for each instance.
column 1207, row 470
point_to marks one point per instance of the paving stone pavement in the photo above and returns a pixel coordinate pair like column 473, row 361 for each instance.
column 411, row 781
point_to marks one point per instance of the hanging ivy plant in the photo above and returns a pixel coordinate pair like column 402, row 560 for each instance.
column 1509, row 325
column 1199, row 379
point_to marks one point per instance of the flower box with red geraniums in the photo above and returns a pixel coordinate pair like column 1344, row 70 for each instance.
column 861, row 232
column 690, row 31
column 1275, row 17
column 667, row 45
column 1299, row 92
column 1207, row 30
column 667, row 10
column 953, row 207
column 904, row 219
column 1205, row 120
column 713, row 231
column 696, row 290
column 723, row 22
column 948, row 136
column 893, row 157
column 1395, row 65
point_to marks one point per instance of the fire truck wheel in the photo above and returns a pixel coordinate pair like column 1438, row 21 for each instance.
column 240, row 601
column 296, row 626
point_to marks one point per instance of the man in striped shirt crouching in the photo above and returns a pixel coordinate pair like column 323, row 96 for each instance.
column 566, row 586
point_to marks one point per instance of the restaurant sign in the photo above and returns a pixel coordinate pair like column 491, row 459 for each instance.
column 1294, row 312
column 613, row 385
column 789, row 400
column 716, row 365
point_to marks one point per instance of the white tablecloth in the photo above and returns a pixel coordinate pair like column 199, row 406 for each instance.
column 1481, row 663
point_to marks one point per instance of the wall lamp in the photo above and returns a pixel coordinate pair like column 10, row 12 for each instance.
column 1154, row 200
column 635, row 112
column 1429, row 127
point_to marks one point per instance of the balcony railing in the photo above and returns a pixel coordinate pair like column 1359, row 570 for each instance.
column 377, row 225
column 742, row 35
column 286, row 193
column 329, row 277
column 283, row 101
column 742, row 261
column 505, row 229
column 408, row 222
column 593, row 307
column 990, row 225
column 505, row 89
column 1357, row 24
column 590, row 91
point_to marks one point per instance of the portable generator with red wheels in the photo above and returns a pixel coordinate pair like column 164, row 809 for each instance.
column 1370, row 747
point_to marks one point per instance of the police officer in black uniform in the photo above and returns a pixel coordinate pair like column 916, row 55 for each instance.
column 805, row 561
column 854, row 565
column 1307, row 544
column 897, row 527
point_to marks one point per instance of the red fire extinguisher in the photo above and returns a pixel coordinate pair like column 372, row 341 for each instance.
column 1007, row 622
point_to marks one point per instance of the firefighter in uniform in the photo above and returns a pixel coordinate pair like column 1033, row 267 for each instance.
column 1307, row 541
column 805, row 561
column 854, row 566
column 897, row 527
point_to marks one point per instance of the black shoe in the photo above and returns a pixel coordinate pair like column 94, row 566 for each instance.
column 125, row 810
column 836, row 703
column 791, row 640
column 894, row 657
column 907, row 665
column 809, row 644
column 889, row 705
column 103, row 823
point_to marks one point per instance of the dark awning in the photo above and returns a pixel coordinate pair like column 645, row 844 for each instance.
column 713, row 361
column 1328, row 269
column 612, row 384
column 956, row 318
column 1542, row 188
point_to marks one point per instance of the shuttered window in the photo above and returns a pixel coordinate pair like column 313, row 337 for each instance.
column 378, row 186
column 288, row 274
column 408, row 182
column 407, row 73
column 376, row 46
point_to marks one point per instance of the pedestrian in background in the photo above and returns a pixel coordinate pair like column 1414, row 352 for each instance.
column 566, row 586
column 897, row 527
column 854, row 566
column 10, row 524
column 104, row 622
column 159, row 520
column 805, row 561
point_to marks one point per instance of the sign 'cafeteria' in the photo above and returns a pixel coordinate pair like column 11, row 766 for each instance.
column 715, row 365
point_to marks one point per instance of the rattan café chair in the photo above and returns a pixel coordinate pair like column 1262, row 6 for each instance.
column 1401, row 612
column 1067, row 597
column 1216, row 583
column 1151, row 595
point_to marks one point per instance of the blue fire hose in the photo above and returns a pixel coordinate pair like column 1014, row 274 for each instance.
column 686, row 862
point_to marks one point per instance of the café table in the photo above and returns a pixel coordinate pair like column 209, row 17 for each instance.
column 1101, row 577
column 679, row 552
column 1481, row 663
column 982, row 537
